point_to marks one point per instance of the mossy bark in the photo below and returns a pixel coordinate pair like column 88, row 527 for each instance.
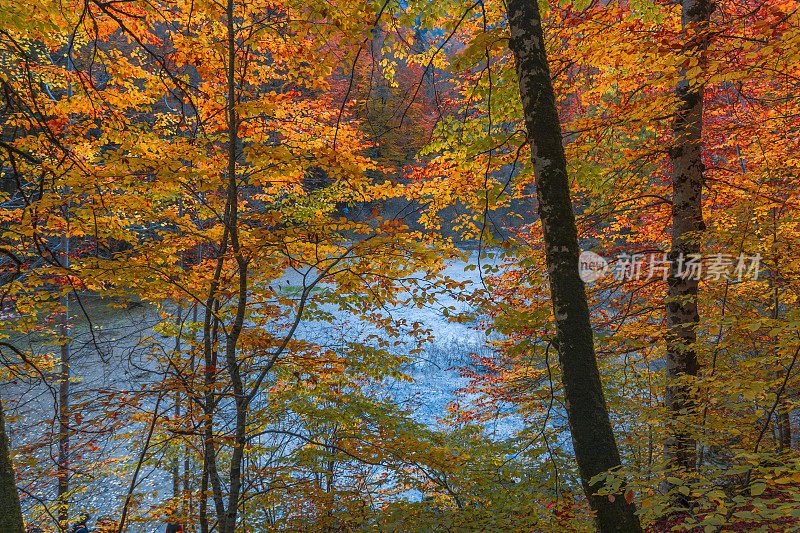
column 592, row 436
column 687, row 225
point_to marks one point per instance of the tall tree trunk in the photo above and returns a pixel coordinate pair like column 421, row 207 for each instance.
column 188, row 466
column 176, row 471
column 784, row 426
column 202, row 506
column 62, row 467
column 687, row 222
column 227, row 517
column 240, row 397
column 63, row 402
column 10, row 510
column 783, row 422
column 210, row 472
column 592, row 436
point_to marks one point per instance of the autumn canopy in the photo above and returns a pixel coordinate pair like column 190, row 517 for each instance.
column 340, row 266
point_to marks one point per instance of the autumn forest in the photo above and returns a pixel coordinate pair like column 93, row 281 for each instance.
column 399, row 266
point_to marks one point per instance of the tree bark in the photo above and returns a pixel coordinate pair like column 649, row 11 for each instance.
column 227, row 517
column 240, row 398
column 687, row 222
column 10, row 510
column 783, row 421
column 62, row 474
column 592, row 436
column 62, row 468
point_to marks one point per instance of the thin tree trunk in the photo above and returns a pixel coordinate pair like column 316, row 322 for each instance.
column 186, row 500
column 139, row 463
column 330, row 479
column 592, row 435
column 240, row 398
column 202, row 512
column 176, row 464
column 227, row 518
column 210, row 329
column 210, row 335
column 179, row 329
column 176, row 471
column 62, row 466
column 783, row 425
column 10, row 510
column 784, row 428
column 687, row 222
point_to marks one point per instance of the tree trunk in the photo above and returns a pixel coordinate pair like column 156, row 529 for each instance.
column 240, row 398
column 592, row 436
column 687, row 222
column 62, row 467
column 783, row 422
column 10, row 510
column 227, row 517
column 176, row 471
